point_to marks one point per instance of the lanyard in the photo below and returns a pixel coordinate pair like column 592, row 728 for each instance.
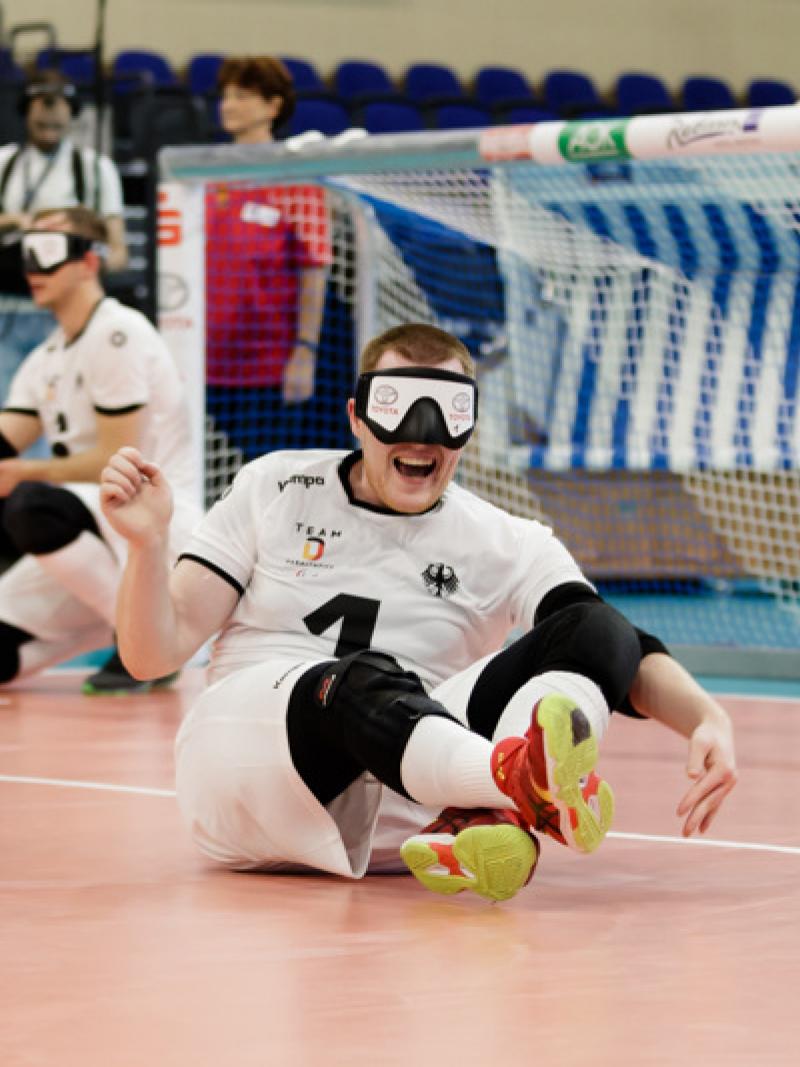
column 32, row 190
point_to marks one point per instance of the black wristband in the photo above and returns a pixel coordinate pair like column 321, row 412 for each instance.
column 303, row 342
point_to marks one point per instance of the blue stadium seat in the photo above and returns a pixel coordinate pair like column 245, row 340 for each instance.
column 137, row 66
column 522, row 115
column 326, row 116
column 391, row 116
column 642, row 94
column 461, row 117
column 77, row 65
column 12, row 124
column 166, row 116
column 707, row 94
column 432, row 84
column 503, row 87
column 766, row 92
column 11, row 73
column 307, row 79
column 572, row 94
column 358, row 81
column 202, row 71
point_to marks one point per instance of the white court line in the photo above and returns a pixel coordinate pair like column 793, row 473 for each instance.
column 103, row 786
column 709, row 842
column 663, row 839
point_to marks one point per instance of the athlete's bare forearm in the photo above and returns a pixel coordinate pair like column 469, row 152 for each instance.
column 665, row 691
column 148, row 634
column 164, row 616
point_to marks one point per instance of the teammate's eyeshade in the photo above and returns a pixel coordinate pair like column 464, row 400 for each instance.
column 419, row 405
column 44, row 251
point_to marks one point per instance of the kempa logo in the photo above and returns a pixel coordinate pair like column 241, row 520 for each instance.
column 279, row 681
column 440, row 579
column 301, row 479
column 582, row 142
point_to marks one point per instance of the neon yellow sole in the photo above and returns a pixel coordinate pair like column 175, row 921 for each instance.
column 497, row 861
column 568, row 765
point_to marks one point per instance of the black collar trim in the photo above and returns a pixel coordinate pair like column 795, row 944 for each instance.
column 85, row 327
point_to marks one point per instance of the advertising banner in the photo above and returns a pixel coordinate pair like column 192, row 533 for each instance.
column 181, row 296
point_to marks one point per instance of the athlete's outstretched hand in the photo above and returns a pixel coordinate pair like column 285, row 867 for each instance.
column 712, row 768
column 135, row 497
column 664, row 690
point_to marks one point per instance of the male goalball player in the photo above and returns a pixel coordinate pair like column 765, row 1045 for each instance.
column 359, row 682
column 102, row 379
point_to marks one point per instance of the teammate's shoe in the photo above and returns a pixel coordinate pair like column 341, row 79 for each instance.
column 114, row 680
column 550, row 776
column 484, row 850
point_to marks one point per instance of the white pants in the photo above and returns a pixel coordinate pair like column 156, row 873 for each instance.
column 63, row 625
column 246, row 805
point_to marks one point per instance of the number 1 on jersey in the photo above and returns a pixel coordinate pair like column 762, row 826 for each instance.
column 359, row 615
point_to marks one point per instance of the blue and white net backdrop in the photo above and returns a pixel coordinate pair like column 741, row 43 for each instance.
column 630, row 290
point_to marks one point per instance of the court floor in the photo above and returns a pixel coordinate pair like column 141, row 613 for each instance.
column 121, row 947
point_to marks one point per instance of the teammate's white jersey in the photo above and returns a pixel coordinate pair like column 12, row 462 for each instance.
column 322, row 575
column 119, row 362
column 41, row 181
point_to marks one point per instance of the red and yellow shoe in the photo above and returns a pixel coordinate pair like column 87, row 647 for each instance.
column 550, row 776
column 487, row 851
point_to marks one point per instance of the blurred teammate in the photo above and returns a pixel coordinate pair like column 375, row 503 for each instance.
column 265, row 276
column 359, row 682
column 104, row 378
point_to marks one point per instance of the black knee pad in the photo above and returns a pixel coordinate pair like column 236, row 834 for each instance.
column 40, row 518
column 370, row 705
column 591, row 638
column 605, row 647
column 11, row 640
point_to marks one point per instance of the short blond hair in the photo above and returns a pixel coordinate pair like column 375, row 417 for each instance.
column 81, row 221
column 418, row 342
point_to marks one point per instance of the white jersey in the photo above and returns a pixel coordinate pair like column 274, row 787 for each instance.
column 322, row 575
column 118, row 363
column 40, row 181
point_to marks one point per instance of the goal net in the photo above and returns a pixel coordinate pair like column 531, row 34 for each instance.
column 630, row 290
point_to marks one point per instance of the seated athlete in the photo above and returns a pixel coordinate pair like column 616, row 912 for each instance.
column 359, row 682
column 103, row 378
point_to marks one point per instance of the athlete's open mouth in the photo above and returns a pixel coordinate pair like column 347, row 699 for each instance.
column 414, row 468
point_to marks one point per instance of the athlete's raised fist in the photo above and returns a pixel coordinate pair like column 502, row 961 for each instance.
column 135, row 496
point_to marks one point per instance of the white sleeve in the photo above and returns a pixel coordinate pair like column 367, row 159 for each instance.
column 226, row 539
column 110, row 200
column 117, row 367
column 543, row 564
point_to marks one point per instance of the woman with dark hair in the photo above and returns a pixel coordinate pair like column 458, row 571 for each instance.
column 268, row 250
column 256, row 94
